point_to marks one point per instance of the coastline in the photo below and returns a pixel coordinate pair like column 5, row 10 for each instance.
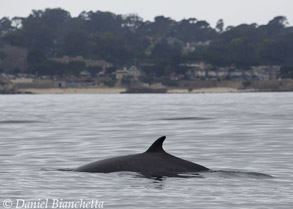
column 36, row 86
column 121, row 90
column 212, row 90
column 73, row 90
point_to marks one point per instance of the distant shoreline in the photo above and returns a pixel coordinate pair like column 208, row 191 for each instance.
column 36, row 86
column 73, row 90
column 121, row 90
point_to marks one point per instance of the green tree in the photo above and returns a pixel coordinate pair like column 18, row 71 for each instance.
column 267, row 52
column 36, row 34
column 161, row 27
column 241, row 51
column 102, row 22
column 132, row 22
column 276, row 26
column 165, row 51
column 193, row 30
column 220, row 26
column 36, row 56
column 5, row 25
column 75, row 43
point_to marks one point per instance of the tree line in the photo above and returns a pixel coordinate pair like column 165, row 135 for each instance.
column 128, row 39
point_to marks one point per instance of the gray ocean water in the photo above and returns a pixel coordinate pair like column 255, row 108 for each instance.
column 240, row 134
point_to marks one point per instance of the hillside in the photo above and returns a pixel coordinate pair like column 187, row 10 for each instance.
column 161, row 48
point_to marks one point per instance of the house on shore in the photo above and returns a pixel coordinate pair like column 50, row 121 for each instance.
column 133, row 71
column 202, row 71
column 88, row 62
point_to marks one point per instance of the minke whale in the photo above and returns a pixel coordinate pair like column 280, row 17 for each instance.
column 153, row 162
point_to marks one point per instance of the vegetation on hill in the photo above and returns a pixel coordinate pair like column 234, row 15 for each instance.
column 161, row 46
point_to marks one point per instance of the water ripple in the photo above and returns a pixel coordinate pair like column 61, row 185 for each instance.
column 243, row 135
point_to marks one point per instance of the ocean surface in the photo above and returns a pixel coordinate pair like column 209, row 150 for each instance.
column 246, row 137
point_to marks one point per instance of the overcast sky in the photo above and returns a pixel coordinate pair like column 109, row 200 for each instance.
column 233, row 12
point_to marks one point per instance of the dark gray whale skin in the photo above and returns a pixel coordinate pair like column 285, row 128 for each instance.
column 155, row 162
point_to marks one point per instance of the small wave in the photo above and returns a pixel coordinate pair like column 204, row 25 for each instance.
column 204, row 174
column 19, row 121
column 187, row 118
column 240, row 174
column 55, row 169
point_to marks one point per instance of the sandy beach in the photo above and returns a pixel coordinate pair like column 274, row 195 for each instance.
column 36, row 86
column 120, row 90
column 207, row 90
column 74, row 90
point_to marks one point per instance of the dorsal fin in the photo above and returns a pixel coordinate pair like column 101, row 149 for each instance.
column 157, row 146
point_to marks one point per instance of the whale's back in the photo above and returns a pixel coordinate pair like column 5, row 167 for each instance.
column 155, row 161
column 160, row 163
